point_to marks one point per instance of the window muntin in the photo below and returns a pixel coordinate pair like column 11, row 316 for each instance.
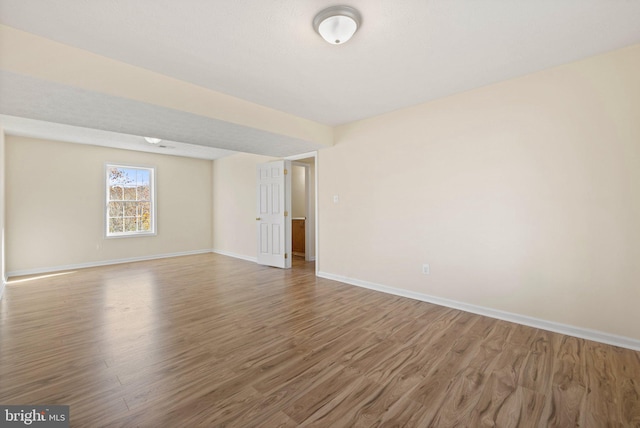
column 130, row 200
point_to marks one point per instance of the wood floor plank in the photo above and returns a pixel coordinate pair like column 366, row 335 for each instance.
column 567, row 400
column 498, row 387
column 376, row 407
column 208, row 340
column 631, row 402
column 523, row 408
column 462, row 396
column 537, row 370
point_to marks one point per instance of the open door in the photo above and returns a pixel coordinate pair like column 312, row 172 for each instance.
column 273, row 219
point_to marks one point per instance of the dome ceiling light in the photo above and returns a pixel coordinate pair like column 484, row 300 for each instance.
column 152, row 140
column 337, row 24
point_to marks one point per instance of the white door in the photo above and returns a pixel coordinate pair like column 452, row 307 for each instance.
column 273, row 219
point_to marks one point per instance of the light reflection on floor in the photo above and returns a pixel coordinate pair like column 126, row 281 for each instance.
column 34, row 278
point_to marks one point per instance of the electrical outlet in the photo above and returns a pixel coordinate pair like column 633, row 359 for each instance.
column 425, row 269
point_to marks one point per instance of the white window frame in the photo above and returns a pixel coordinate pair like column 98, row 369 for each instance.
column 152, row 184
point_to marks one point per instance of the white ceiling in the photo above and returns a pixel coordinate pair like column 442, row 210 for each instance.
column 407, row 51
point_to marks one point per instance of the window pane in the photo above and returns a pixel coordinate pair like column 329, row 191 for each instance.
column 129, row 193
column 130, row 209
column 145, row 215
column 145, row 223
column 144, row 207
column 120, row 176
column 115, row 193
column 115, row 209
column 112, row 175
column 130, row 224
column 116, row 225
column 142, row 177
column 144, row 193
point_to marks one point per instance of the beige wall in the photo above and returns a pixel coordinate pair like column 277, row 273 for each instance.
column 522, row 196
column 234, row 204
column 55, row 205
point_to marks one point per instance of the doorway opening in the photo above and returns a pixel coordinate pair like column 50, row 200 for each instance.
column 303, row 210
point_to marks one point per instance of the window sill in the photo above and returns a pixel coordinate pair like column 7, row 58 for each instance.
column 131, row 235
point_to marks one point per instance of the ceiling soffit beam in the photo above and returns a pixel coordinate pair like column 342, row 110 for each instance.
column 41, row 58
column 28, row 97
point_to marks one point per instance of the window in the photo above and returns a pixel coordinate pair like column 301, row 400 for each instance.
column 130, row 201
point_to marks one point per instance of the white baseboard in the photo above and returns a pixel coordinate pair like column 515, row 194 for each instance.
column 102, row 263
column 597, row 336
column 237, row 256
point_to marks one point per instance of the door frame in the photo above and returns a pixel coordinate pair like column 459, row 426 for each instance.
column 313, row 155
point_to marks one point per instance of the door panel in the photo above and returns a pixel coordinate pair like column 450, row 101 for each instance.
column 275, row 240
column 273, row 206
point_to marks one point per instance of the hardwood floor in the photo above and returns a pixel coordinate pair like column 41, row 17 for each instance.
column 209, row 340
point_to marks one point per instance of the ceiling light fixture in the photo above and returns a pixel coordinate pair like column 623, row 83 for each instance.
column 152, row 140
column 337, row 24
